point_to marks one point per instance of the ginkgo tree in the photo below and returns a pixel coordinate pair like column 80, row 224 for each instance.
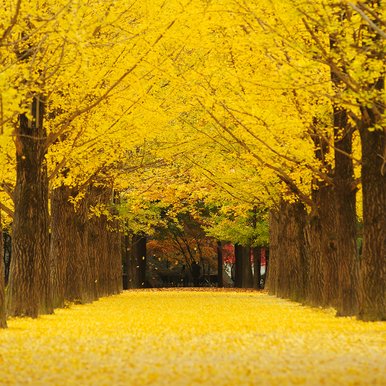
column 227, row 101
column 71, row 57
column 347, row 38
column 268, row 77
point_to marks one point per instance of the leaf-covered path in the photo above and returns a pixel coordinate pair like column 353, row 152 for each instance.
column 192, row 338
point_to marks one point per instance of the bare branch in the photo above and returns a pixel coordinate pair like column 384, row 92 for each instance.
column 8, row 211
column 371, row 24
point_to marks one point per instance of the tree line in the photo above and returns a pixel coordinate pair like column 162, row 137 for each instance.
column 248, row 107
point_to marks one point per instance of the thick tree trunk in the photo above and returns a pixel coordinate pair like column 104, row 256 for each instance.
column 139, row 255
column 315, row 285
column 103, row 263
column 327, row 213
column 3, row 318
column 243, row 271
column 345, row 200
column 287, row 274
column 29, row 289
column 105, row 259
column 373, row 274
column 293, row 263
column 220, row 263
column 79, row 287
column 61, row 239
column 346, row 232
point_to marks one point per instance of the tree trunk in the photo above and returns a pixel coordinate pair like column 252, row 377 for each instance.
column 373, row 274
column 287, row 271
column 79, row 287
column 329, row 243
column 345, row 200
column 114, row 254
column 3, row 318
column 131, row 264
column 238, row 265
column 125, row 250
column 247, row 280
column 271, row 278
column 220, row 263
column 346, row 232
column 243, row 272
column 292, row 262
column 61, row 239
column 139, row 254
column 29, row 289
column 256, row 267
column 315, row 285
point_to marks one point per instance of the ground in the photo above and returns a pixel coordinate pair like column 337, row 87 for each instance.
column 177, row 337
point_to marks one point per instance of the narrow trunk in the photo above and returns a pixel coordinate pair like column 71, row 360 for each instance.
column 238, row 266
column 256, row 267
column 267, row 266
column 3, row 319
column 139, row 254
column 373, row 281
column 247, row 277
column 220, row 263
column 131, row 264
column 125, row 251
column 114, row 254
column 29, row 289
column 271, row 278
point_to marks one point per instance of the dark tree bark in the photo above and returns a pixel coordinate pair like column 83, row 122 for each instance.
column 373, row 274
column 373, row 140
column 139, row 255
column 61, row 239
column 315, row 273
column 292, row 263
column 79, row 286
column 3, row 317
column 115, row 261
column 29, row 290
column 329, row 236
column 287, row 256
column 238, row 265
column 220, row 262
column 131, row 264
column 267, row 265
column 126, row 260
column 247, row 279
column 271, row 278
column 346, row 232
column 256, row 267
column 243, row 269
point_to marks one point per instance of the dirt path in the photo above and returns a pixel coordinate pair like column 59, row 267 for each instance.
column 192, row 338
